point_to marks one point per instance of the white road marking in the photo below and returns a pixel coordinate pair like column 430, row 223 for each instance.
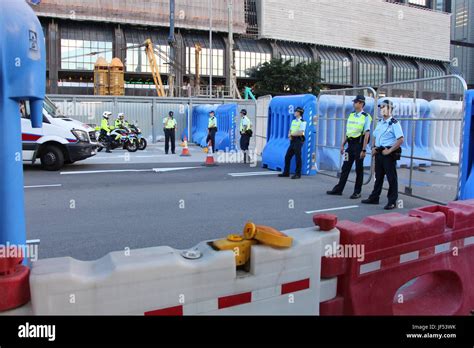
column 253, row 174
column 156, row 170
column 41, row 186
column 332, row 209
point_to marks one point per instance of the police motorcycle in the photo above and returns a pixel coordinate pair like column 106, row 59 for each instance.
column 120, row 137
column 142, row 143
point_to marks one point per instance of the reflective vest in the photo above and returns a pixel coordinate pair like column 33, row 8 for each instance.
column 104, row 125
column 170, row 123
column 118, row 123
column 296, row 125
column 242, row 125
column 212, row 122
column 355, row 125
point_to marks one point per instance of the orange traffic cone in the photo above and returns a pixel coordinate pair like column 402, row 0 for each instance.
column 185, row 152
column 210, row 157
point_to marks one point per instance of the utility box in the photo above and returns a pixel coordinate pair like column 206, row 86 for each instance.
column 101, row 77
column 116, row 80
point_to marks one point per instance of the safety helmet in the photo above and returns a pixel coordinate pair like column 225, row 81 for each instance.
column 106, row 114
column 121, row 115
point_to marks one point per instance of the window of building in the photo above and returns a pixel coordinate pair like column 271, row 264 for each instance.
column 205, row 55
column 136, row 59
column 336, row 66
column 372, row 70
column 403, row 70
column 249, row 54
column 81, row 46
column 298, row 53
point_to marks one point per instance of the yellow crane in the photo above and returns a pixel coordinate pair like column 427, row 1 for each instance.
column 150, row 53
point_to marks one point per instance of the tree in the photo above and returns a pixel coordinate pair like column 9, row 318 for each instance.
column 281, row 77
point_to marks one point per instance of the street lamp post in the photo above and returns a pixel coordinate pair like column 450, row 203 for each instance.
column 210, row 49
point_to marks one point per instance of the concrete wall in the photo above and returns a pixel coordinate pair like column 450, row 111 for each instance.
column 190, row 14
column 372, row 25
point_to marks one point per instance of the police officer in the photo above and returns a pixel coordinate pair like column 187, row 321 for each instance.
column 120, row 121
column 169, row 127
column 297, row 138
column 245, row 133
column 357, row 138
column 212, row 130
column 105, row 129
column 387, row 151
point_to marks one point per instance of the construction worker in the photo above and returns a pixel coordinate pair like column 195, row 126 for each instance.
column 212, row 130
column 245, row 133
column 297, row 139
column 357, row 137
column 387, row 151
column 169, row 127
column 105, row 129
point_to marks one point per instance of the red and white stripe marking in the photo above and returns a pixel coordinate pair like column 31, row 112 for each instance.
column 232, row 300
column 414, row 255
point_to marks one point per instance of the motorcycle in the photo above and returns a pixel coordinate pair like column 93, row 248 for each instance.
column 142, row 143
column 120, row 137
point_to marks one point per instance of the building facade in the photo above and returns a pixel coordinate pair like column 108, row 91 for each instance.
column 358, row 42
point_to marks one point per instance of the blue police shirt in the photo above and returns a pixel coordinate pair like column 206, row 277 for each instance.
column 387, row 133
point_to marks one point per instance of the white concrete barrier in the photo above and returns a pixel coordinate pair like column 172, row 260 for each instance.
column 159, row 281
column 445, row 136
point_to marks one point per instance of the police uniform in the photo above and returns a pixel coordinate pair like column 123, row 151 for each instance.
column 358, row 124
column 105, row 131
column 386, row 135
column 212, row 128
column 169, row 124
column 245, row 133
column 296, row 144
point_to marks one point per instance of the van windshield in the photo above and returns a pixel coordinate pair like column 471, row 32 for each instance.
column 51, row 109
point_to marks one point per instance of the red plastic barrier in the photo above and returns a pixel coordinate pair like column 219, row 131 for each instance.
column 14, row 282
column 420, row 264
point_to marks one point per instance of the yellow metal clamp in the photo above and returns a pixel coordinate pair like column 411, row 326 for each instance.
column 252, row 234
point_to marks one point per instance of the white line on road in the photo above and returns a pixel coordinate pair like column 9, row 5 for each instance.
column 253, row 174
column 332, row 209
column 156, row 170
column 41, row 186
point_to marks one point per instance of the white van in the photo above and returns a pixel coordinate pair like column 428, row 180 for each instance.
column 61, row 141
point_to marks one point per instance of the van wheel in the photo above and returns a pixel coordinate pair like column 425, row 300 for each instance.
column 52, row 158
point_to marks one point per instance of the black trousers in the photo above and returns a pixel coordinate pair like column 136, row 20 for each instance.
column 170, row 135
column 354, row 149
column 107, row 138
column 385, row 166
column 212, row 138
column 294, row 150
column 244, row 145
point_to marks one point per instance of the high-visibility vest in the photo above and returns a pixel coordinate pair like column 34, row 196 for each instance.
column 355, row 125
column 170, row 123
column 104, row 125
column 118, row 123
column 212, row 122
column 296, row 125
column 249, row 124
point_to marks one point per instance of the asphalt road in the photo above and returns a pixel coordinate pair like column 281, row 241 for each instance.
column 107, row 203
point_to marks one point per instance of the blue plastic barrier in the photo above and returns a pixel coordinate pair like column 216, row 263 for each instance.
column 280, row 116
column 23, row 77
column 405, row 108
column 331, row 130
column 466, row 180
column 200, row 122
column 226, row 124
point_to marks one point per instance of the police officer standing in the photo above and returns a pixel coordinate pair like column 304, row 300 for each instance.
column 105, row 129
column 169, row 127
column 387, row 151
column 212, row 130
column 357, row 138
column 297, row 139
column 245, row 133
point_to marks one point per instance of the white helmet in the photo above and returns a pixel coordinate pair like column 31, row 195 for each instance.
column 121, row 115
column 106, row 114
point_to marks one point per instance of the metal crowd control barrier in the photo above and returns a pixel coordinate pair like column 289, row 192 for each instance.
column 430, row 112
column 333, row 110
